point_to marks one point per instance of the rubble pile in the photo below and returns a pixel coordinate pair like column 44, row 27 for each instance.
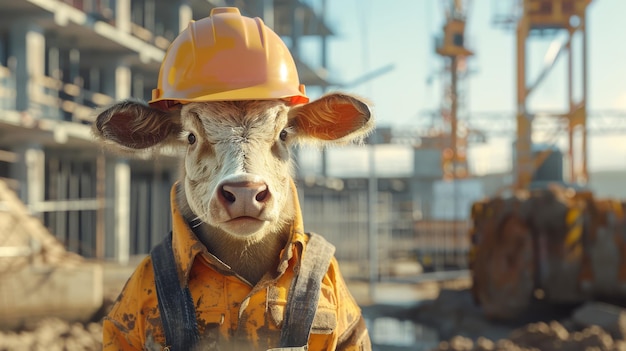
column 541, row 336
column 593, row 326
column 26, row 239
column 54, row 334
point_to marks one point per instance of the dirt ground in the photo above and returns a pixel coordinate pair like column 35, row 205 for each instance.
column 450, row 321
column 54, row 334
column 544, row 327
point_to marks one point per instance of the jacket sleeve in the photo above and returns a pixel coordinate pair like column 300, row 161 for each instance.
column 124, row 326
column 352, row 331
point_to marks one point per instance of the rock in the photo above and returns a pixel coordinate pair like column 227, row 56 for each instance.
column 484, row 344
column 508, row 345
column 460, row 343
column 619, row 345
column 609, row 317
column 592, row 338
column 541, row 335
column 53, row 334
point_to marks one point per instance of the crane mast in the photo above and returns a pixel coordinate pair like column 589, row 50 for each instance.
column 452, row 46
column 550, row 18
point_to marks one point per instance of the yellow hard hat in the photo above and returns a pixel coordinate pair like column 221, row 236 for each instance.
column 227, row 56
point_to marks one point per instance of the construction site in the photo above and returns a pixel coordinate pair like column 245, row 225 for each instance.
column 438, row 256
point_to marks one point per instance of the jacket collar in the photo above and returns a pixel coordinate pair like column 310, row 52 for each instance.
column 187, row 246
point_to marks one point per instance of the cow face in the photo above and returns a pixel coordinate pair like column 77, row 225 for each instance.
column 237, row 165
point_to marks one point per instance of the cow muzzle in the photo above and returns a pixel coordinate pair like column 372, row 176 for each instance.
column 244, row 197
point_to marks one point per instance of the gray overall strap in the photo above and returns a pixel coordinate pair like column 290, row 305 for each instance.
column 178, row 314
column 304, row 293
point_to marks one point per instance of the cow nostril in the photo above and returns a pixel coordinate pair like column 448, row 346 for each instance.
column 228, row 196
column 260, row 197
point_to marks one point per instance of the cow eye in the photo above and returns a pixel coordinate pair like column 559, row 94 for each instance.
column 283, row 135
column 191, row 138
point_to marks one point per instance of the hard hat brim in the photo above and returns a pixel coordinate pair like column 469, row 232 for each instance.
column 251, row 93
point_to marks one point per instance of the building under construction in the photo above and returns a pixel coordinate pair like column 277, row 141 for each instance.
column 61, row 60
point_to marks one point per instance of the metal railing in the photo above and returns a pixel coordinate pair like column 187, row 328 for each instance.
column 66, row 101
column 342, row 218
column 52, row 98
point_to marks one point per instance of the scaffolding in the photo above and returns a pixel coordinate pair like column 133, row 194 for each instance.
column 60, row 61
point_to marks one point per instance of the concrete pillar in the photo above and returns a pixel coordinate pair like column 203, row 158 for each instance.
column 108, row 80
column 94, row 79
column 54, row 71
column 122, row 15
column 75, row 75
column 149, row 13
column 296, row 28
column 122, row 211
column 185, row 15
column 6, row 103
column 123, row 79
column 265, row 10
column 74, row 60
column 31, row 171
column 35, row 159
column 138, row 89
column 118, row 210
column 28, row 46
column 116, row 81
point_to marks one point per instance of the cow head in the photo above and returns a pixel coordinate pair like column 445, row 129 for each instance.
column 237, row 164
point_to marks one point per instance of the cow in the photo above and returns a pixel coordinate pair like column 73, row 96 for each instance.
column 237, row 241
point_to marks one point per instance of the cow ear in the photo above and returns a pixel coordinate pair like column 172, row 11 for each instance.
column 134, row 124
column 333, row 117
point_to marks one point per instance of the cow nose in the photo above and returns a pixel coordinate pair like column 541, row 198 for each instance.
column 245, row 194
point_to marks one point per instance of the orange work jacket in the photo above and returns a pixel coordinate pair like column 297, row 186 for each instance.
column 230, row 312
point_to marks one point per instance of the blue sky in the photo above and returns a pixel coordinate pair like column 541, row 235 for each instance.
column 375, row 33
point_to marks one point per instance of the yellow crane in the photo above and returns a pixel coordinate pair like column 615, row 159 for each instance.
column 549, row 17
